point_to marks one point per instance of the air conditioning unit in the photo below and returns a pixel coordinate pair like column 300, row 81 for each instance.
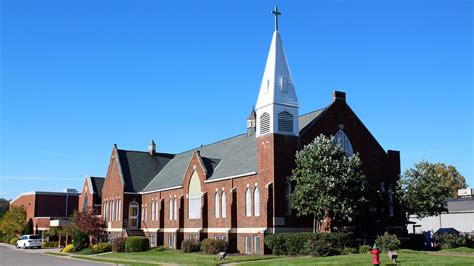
column 467, row 192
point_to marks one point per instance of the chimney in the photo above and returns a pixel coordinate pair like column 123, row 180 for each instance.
column 152, row 148
column 339, row 96
column 251, row 123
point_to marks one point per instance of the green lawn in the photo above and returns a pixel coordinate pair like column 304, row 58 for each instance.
column 406, row 257
column 174, row 256
column 459, row 250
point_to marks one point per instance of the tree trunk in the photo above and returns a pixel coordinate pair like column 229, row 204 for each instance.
column 327, row 222
column 59, row 242
column 314, row 223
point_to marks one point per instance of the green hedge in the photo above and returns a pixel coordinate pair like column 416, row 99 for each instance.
column 137, row 244
column 101, row 247
column 316, row 244
column 50, row 244
column 213, row 246
column 118, row 245
column 190, row 245
column 451, row 241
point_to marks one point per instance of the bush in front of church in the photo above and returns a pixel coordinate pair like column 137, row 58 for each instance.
column 137, row 244
column 190, row 245
column 118, row 245
column 315, row 244
column 213, row 246
column 80, row 241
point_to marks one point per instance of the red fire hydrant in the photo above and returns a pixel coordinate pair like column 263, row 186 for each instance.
column 375, row 255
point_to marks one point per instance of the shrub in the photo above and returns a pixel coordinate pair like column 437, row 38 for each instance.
column 414, row 241
column 51, row 244
column 118, row 245
column 213, row 246
column 102, row 247
column 68, row 248
column 191, row 245
column 451, row 241
column 364, row 249
column 80, row 241
column 137, row 244
column 13, row 241
column 305, row 243
column 321, row 247
column 388, row 242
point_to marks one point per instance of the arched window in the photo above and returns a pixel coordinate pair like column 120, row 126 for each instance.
column 117, row 210
column 256, row 202
column 171, row 209
column 342, row 139
column 143, row 213
column 287, row 197
column 86, row 203
column 105, row 211
column 285, row 122
column 248, row 203
column 216, row 205
column 194, row 211
column 112, row 210
column 175, row 212
column 152, row 209
column 146, row 213
column 264, row 123
column 133, row 214
column 156, row 209
column 224, row 205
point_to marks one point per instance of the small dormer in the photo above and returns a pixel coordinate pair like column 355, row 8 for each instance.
column 152, row 148
column 251, row 125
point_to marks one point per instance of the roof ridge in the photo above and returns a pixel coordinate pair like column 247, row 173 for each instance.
column 213, row 143
column 165, row 153
column 317, row 110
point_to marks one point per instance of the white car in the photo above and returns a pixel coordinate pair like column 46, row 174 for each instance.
column 29, row 241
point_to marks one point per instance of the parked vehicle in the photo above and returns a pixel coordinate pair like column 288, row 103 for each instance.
column 29, row 241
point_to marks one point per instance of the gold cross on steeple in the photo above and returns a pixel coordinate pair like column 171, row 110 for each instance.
column 276, row 13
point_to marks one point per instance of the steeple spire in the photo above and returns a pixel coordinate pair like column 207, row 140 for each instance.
column 277, row 104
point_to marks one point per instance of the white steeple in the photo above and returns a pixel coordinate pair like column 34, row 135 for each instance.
column 277, row 104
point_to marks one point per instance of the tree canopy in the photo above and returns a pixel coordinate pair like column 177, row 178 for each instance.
column 328, row 183
column 423, row 190
column 452, row 179
column 88, row 223
column 13, row 222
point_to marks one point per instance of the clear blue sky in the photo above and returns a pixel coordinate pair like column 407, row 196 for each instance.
column 79, row 76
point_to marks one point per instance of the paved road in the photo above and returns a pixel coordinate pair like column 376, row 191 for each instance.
column 13, row 257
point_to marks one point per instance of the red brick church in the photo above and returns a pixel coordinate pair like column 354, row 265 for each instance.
column 237, row 188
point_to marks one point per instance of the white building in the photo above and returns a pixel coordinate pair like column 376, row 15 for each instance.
column 460, row 216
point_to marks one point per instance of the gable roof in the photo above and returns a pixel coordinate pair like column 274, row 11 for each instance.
column 230, row 157
column 139, row 167
column 96, row 184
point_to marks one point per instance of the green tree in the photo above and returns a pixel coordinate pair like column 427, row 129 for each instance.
column 328, row 183
column 4, row 206
column 452, row 179
column 28, row 228
column 13, row 222
column 422, row 190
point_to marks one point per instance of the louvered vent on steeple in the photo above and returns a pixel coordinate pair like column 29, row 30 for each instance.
column 264, row 123
column 285, row 122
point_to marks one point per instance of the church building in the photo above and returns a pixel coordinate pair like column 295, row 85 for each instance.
column 237, row 189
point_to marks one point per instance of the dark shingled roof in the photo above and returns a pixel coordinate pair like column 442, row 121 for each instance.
column 461, row 205
column 139, row 168
column 97, row 184
column 230, row 157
